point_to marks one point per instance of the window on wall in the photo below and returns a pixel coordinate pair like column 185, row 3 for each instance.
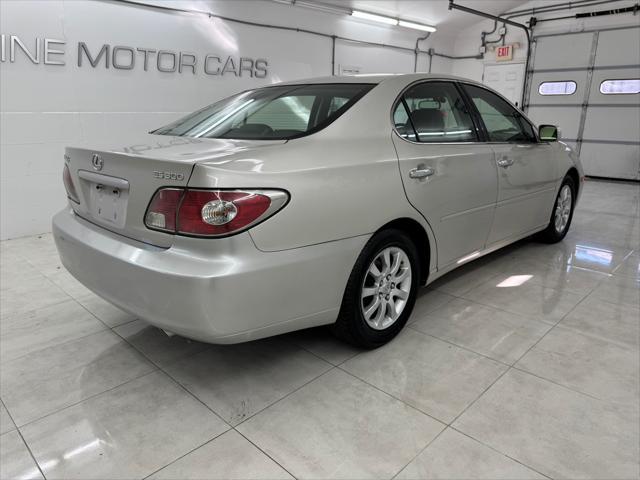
column 503, row 122
column 618, row 87
column 437, row 113
column 567, row 87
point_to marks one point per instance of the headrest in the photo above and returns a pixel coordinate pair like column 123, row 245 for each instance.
column 428, row 119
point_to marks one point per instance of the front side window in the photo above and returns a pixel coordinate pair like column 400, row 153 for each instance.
column 280, row 112
column 558, row 88
column 502, row 121
column 620, row 87
column 436, row 113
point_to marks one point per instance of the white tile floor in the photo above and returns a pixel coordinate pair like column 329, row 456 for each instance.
column 531, row 381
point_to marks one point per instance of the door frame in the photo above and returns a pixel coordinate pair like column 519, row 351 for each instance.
column 501, row 64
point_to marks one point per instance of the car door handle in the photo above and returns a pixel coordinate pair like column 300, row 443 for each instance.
column 421, row 172
column 505, row 162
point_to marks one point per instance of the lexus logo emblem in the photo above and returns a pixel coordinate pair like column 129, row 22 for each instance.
column 97, row 162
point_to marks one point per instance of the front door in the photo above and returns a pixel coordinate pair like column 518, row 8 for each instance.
column 527, row 169
column 447, row 174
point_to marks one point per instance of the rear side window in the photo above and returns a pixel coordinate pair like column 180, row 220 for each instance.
column 434, row 112
column 280, row 112
column 502, row 121
column 620, row 87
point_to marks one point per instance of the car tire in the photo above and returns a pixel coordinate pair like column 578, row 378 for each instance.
column 386, row 274
column 562, row 213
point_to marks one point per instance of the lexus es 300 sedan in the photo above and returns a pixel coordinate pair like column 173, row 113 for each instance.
column 328, row 201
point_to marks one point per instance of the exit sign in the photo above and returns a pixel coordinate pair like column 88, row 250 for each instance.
column 504, row 53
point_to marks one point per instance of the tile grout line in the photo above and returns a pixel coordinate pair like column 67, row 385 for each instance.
column 498, row 451
column 64, row 342
column 302, row 347
column 412, row 407
column 462, row 347
column 513, row 367
column 565, row 387
column 26, row 445
column 420, row 452
column 187, row 453
column 231, row 427
column 31, row 422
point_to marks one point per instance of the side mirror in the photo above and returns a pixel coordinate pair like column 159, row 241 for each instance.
column 548, row 133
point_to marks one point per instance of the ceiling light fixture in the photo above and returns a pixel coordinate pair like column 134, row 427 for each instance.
column 374, row 18
column 416, row 26
column 322, row 7
column 392, row 21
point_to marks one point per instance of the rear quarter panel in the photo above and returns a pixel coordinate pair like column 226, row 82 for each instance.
column 344, row 181
column 338, row 189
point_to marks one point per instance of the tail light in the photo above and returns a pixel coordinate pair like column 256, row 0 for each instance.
column 72, row 194
column 211, row 213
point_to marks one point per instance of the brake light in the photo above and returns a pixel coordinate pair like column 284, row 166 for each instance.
column 72, row 194
column 161, row 214
column 211, row 213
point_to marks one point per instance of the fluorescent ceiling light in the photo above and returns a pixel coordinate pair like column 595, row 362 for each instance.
column 322, row 7
column 374, row 18
column 416, row 26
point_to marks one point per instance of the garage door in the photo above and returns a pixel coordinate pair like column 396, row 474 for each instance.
column 588, row 84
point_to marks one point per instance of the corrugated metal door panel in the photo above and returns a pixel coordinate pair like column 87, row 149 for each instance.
column 619, row 47
column 610, row 160
column 608, row 125
column 567, row 118
column 612, row 124
column 568, row 51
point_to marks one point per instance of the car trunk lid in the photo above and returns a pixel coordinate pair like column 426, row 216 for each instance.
column 115, row 185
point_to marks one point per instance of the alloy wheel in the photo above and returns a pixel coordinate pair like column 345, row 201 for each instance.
column 563, row 208
column 385, row 288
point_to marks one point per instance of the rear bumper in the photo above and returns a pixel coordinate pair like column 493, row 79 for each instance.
column 214, row 290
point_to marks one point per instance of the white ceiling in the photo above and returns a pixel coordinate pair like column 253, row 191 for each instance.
column 431, row 12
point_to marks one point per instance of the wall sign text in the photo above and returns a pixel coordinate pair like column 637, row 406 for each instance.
column 51, row 51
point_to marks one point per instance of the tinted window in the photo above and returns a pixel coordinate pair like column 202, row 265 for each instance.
column 270, row 113
column 618, row 87
column 437, row 113
column 557, row 88
column 503, row 122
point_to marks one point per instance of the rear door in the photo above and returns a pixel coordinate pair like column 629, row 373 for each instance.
column 527, row 169
column 447, row 174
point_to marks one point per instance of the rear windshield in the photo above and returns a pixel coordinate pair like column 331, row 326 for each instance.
column 280, row 112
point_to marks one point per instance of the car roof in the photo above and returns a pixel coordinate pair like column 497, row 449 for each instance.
column 373, row 78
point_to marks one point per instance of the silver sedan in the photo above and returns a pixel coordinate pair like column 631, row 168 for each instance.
column 326, row 201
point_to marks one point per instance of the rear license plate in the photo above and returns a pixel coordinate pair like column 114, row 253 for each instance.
column 108, row 203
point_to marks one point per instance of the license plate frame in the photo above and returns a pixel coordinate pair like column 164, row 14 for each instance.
column 108, row 203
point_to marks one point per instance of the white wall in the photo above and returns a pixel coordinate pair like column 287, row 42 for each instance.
column 468, row 42
column 45, row 107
